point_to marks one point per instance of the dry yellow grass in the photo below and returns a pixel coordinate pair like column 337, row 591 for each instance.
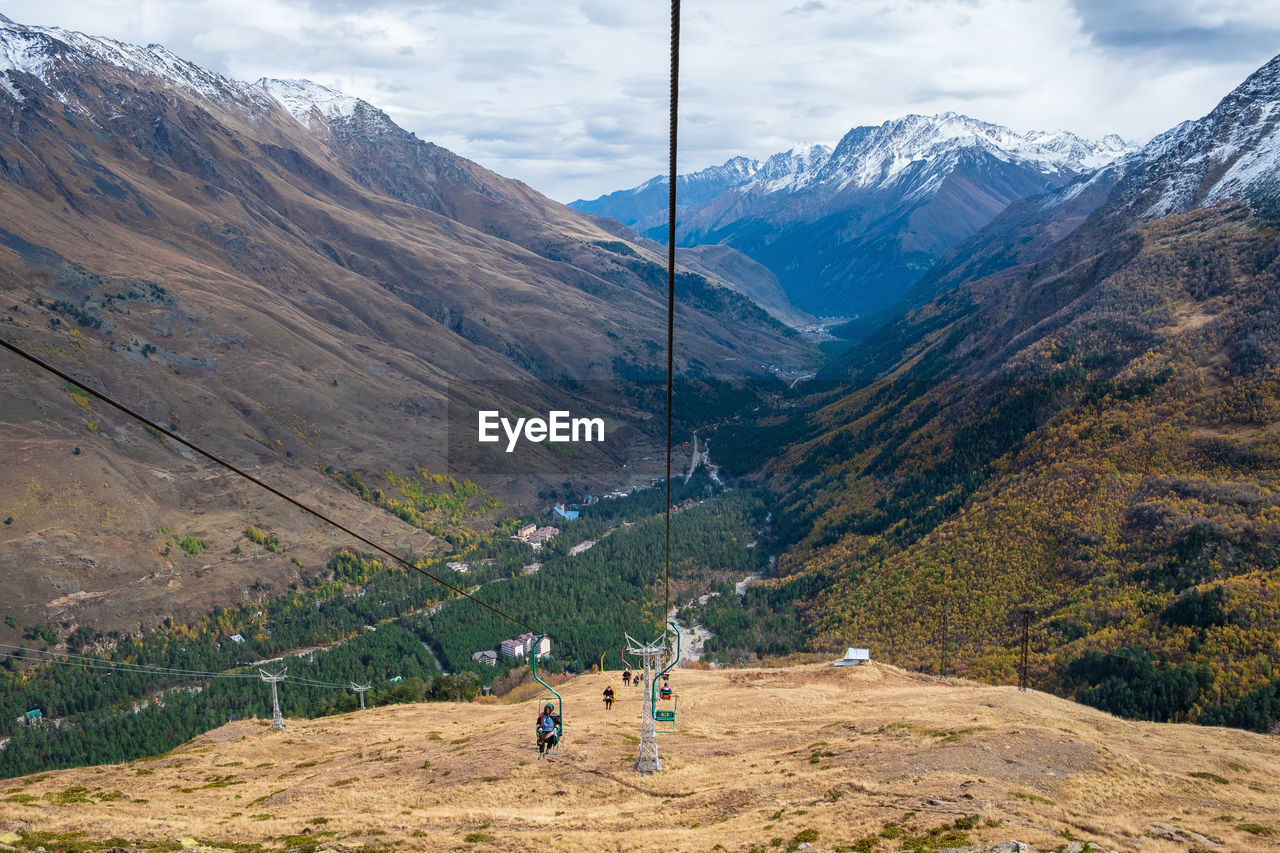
column 759, row 755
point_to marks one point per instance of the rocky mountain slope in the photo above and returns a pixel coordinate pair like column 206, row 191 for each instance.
column 848, row 230
column 281, row 274
column 861, row 758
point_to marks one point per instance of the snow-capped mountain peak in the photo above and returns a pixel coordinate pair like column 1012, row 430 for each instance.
column 47, row 53
column 846, row 228
column 43, row 52
column 704, row 183
column 1233, row 152
column 303, row 97
column 876, row 156
column 792, row 168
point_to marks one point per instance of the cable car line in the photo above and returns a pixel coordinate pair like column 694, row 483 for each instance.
column 288, row 499
column 114, row 667
column 125, row 666
column 39, row 656
column 671, row 279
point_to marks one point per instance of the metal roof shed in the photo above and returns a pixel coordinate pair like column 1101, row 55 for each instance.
column 855, row 657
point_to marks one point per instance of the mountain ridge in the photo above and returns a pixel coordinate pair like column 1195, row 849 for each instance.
column 848, row 229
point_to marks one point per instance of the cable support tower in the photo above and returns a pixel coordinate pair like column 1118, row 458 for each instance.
column 647, row 760
column 277, row 720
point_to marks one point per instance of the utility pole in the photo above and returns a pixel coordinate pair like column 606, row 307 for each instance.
column 948, row 578
column 1026, row 640
column 359, row 688
column 647, row 760
column 277, row 721
column 946, row 612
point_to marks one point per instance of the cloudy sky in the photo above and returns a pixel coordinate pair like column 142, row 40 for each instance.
column 570, row 96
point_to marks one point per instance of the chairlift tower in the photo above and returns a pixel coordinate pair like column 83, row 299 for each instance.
column 277, row 721
column 360, row 688
column 647, row 760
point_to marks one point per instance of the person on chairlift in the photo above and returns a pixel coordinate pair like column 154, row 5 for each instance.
column 548, row 723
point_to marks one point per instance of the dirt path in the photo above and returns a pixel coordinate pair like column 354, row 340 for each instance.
column 434, row 658
column 693, row 638
column 703, row 457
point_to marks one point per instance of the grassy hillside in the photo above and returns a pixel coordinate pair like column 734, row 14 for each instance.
column 856, row 759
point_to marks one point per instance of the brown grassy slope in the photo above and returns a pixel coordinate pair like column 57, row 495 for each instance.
column 761, row 754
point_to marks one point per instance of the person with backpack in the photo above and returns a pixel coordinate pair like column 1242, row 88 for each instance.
column 608, row 698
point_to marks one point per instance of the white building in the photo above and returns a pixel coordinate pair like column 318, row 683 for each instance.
column 532, row 645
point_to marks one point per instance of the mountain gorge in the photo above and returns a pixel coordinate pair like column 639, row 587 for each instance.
column 281, row 274
column 848, row 230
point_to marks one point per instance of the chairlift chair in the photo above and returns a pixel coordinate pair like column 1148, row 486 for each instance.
column 553, row 700
column 665, row 718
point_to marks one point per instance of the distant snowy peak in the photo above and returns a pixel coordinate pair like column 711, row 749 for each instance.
column 793, row 168
column 781, row 171
column 696, row 187
column 303, row 98
column 736, row 171
column 1067, row 150
column 737, row 168
column 876, row 156
column 45, row 51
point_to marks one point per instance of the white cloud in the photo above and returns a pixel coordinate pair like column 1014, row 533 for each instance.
column 572, row 98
